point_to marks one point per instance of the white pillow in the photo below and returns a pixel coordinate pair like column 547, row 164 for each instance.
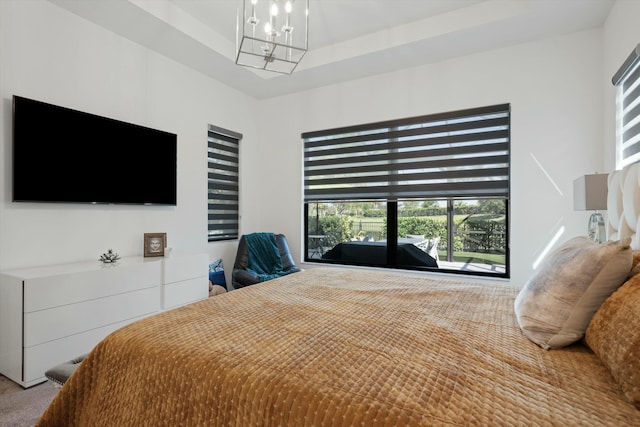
column 556, row 304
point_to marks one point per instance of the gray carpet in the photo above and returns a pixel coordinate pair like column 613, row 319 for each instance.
column 22, row 407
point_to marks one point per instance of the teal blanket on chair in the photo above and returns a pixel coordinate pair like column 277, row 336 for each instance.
column 264, row 256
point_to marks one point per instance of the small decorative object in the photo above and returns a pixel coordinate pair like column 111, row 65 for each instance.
column 109, row 257
column 154, row 244
column 217, row 282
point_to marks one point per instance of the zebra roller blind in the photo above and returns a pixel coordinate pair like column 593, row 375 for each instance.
column 222, row 183
column 458, row 154
column 627, row 81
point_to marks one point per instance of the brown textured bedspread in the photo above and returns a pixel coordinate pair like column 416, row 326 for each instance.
column 339, row 347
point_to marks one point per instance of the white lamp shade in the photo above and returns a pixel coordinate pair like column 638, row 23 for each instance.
column 590, row 192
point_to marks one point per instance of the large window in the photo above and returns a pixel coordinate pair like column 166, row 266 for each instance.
column 429, row 192
column 222, row 179
column 627, row 82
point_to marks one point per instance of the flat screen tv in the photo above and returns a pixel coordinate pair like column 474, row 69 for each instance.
column 68, row 156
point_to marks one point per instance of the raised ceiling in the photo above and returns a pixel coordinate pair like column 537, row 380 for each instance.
column 348, row 39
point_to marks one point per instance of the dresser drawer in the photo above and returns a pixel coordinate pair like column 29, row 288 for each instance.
column 39, row 358
column 59, row 322
column 73, row 287
column 181, row 268
column 185, row 292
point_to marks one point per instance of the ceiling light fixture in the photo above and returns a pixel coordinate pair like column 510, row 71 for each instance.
column 270, row 45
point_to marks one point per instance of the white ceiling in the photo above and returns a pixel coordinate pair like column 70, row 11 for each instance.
column 348, row 39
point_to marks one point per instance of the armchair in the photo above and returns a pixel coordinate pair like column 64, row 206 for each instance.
column 261, row 257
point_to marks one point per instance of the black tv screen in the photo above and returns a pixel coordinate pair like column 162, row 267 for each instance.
column 69, row 156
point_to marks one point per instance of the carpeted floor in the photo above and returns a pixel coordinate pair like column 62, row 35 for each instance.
column 23, row 407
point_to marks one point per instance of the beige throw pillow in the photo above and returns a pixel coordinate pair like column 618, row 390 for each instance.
column 614, row 336
column 556, row 304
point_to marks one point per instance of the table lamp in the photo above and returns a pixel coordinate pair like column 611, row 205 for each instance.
column 590, row 194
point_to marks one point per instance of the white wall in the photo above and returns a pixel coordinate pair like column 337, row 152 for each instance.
column 554, row 87
column 50, row 54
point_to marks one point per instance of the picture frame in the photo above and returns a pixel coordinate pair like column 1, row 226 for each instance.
column 154, row 244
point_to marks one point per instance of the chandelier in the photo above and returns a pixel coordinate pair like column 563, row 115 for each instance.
column 267, row 32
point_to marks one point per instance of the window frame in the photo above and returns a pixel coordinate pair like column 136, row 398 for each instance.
column 392, row 201
column 223, row 184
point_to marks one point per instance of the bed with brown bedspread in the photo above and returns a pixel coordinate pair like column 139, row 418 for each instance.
column 340, row 347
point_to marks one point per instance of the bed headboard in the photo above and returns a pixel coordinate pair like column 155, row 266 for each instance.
column 623, row 205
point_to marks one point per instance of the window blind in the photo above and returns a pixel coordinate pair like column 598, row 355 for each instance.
column 458, row 154
column 223, row 188
column 627, row 80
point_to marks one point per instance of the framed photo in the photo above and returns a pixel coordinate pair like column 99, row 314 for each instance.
column 154, row 244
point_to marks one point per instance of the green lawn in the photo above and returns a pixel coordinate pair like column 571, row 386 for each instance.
column 475, row 257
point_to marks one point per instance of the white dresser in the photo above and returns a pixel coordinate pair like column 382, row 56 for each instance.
column 51, row 314
column 185, row 280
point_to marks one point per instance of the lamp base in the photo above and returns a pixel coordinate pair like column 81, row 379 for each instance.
column 596, row 228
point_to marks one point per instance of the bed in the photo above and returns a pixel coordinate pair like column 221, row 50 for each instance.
column 340, row 346
column 335, row 346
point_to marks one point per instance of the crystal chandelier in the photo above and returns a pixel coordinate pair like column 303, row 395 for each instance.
column 265, row 34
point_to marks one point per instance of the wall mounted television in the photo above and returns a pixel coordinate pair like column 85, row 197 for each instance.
column 62, row 155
